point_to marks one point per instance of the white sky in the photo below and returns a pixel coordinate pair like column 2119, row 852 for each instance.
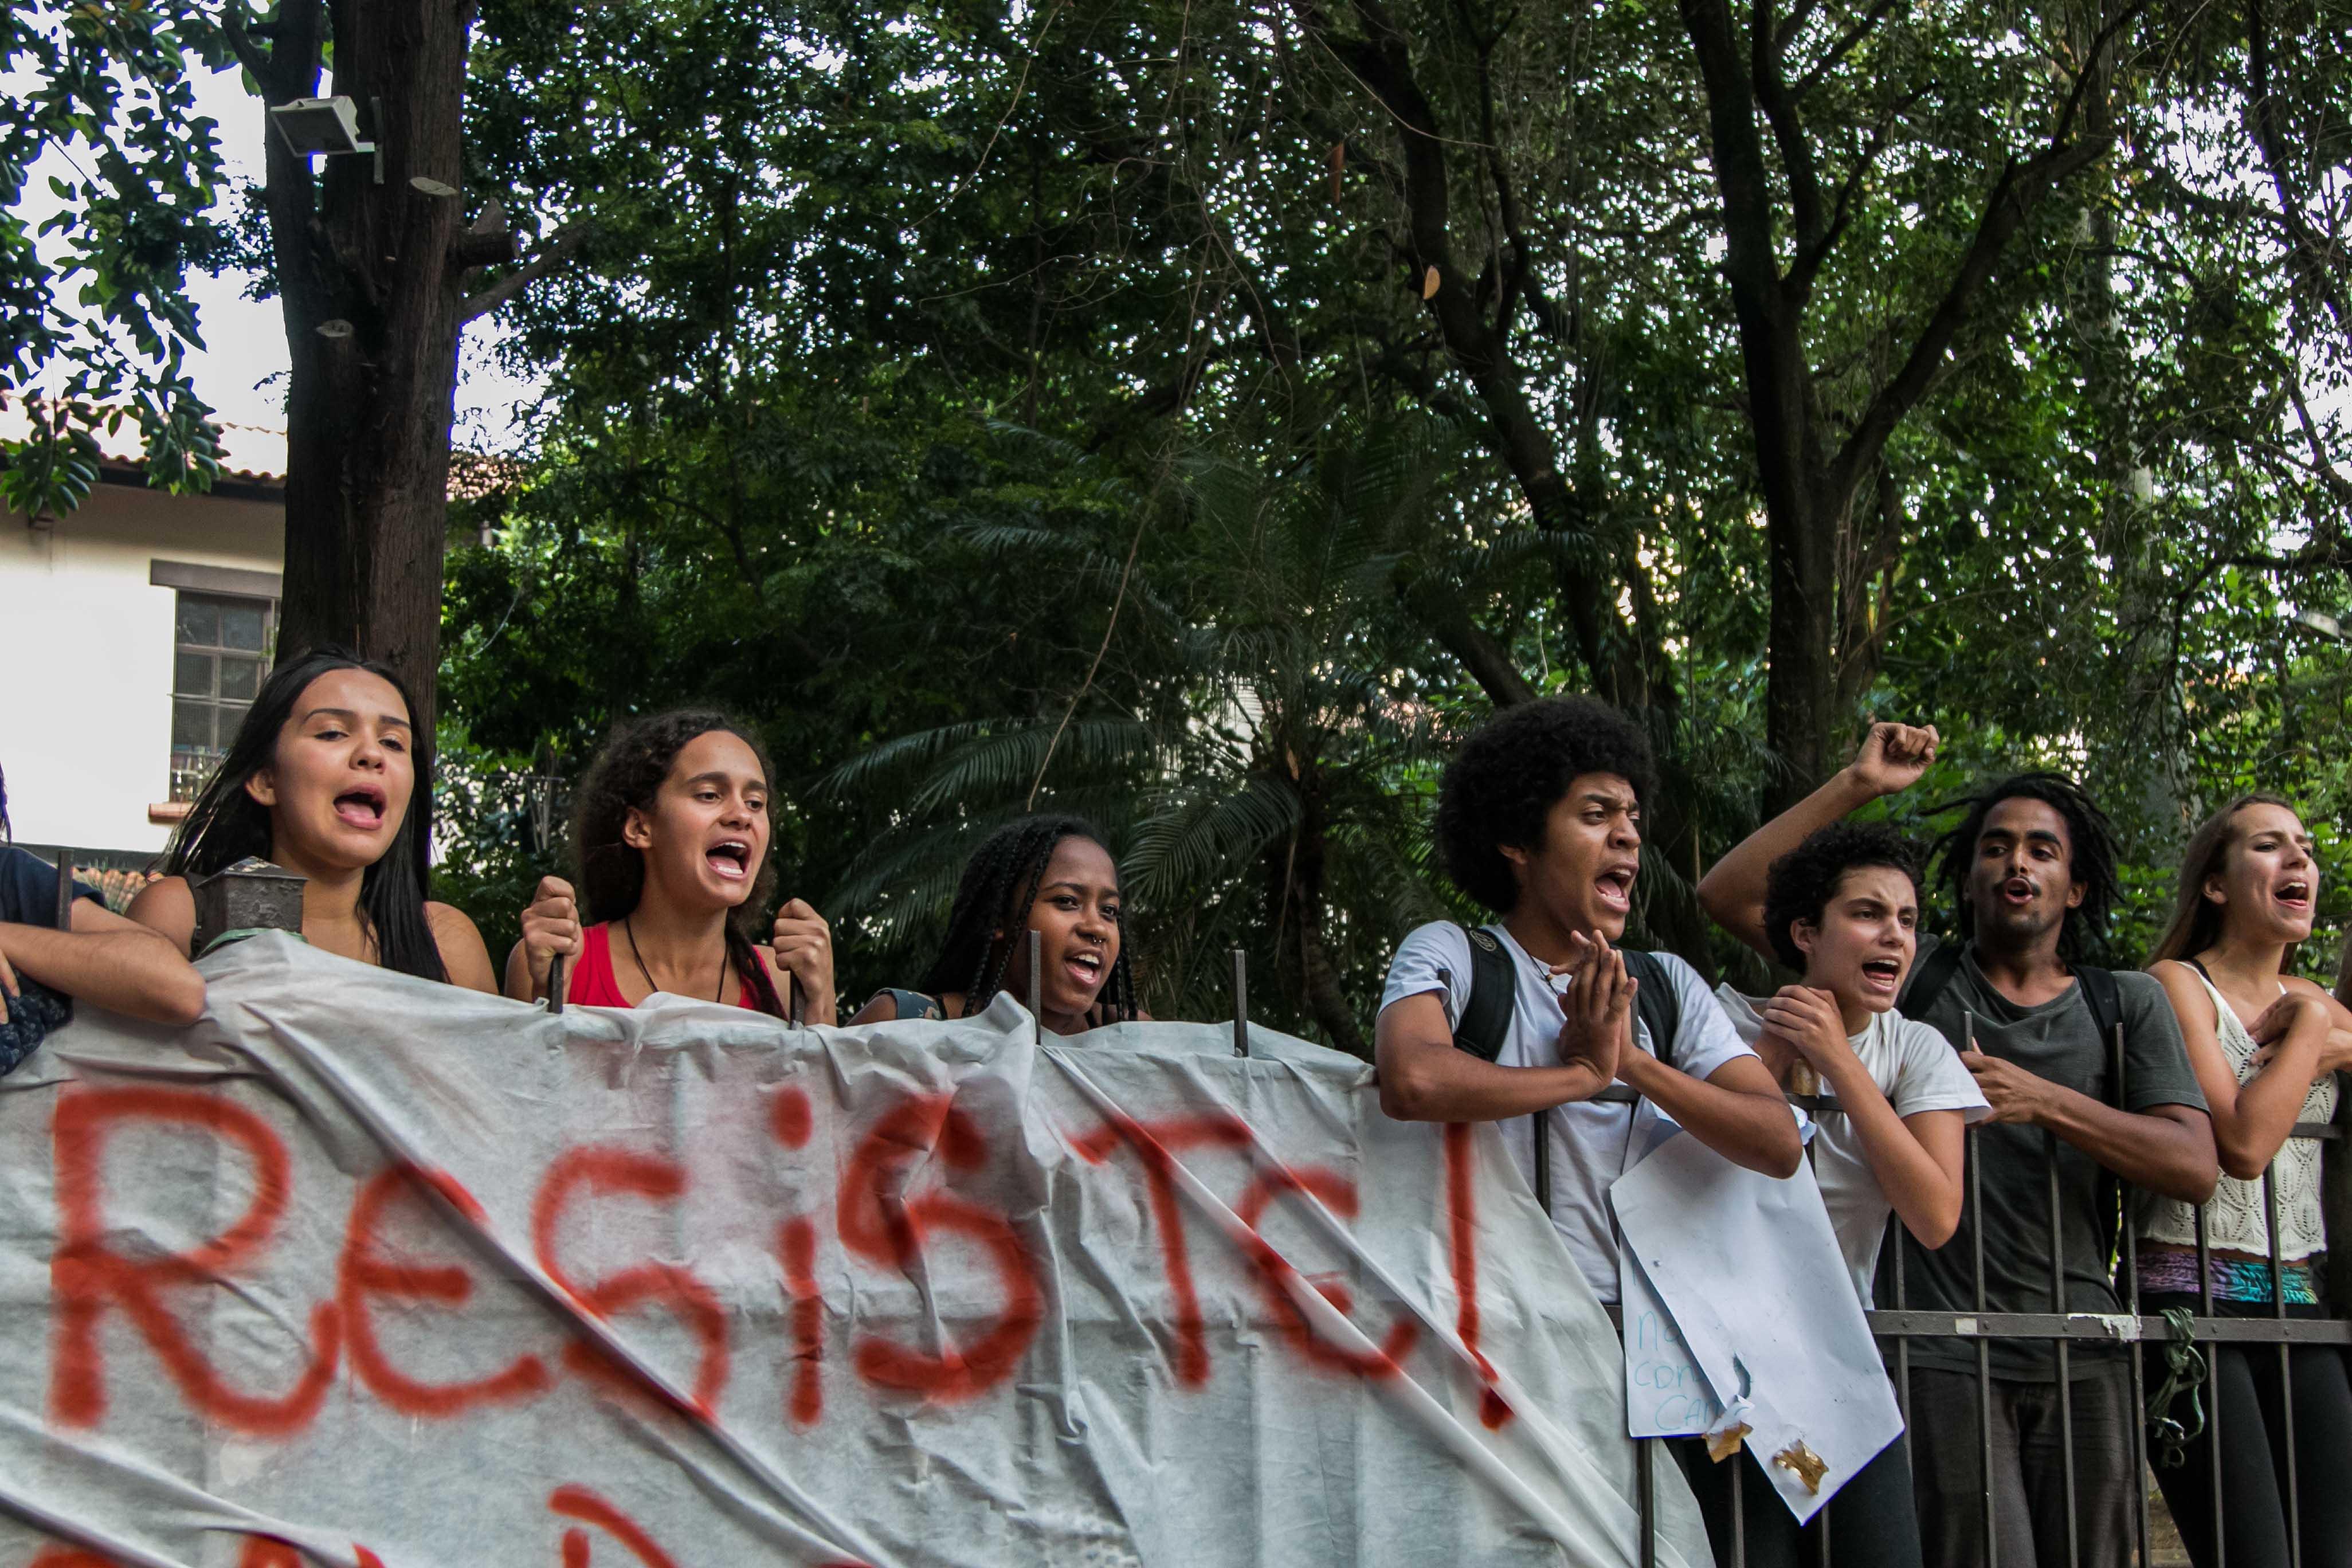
column 241, row 371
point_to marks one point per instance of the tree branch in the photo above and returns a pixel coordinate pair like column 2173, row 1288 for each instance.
column 249, row 55
column 1788, row 131
column 2021, row 188
column 553, row 253
column 1847, row 42
column 1441, row 611
column 2262, row 114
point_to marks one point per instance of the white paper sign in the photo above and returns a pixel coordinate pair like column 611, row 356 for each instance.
column 1666, row 1394
column 1749, row 1272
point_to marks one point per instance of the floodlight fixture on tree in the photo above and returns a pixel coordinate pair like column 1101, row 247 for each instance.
column 325, row 128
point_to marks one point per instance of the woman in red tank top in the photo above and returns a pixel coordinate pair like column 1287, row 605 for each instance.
column 671, row 829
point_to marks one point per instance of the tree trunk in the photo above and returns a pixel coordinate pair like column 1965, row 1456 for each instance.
column 1294, row 879
column 369, row 275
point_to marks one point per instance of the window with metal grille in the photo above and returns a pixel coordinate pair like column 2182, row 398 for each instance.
column 222, row 649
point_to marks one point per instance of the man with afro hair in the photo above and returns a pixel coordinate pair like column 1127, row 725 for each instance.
column 1540, row 819
column 2032, row 864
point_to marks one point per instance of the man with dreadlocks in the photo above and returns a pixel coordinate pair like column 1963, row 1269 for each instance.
column 1046, row 874
column 2032, row 867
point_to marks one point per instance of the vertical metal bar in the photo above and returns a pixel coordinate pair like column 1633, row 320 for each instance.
column 1984, row 1347
column 1646, row 1459
column 795, row 999
column 555, row 968
column 2131, row 1302
column 2212, row 1393
column 2286, row 1368
column 1739, row 1463
column 1240, row 1003
column 1903, row 1343
column 1037, row 985
column 2065, row 1366
column 65, row 888
column 1822, row 1520
column 1540, row 1124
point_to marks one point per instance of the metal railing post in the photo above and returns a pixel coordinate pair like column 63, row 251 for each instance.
column 555, row 967
column 2212, row 1394
column 1984, row 1346
column 1645, row 1474
column 1037, row 985
column 2287, row 1474
column 65, row 888
column 2065, row 1365
column 1240, row 1003
column 2131, row 1304
column 1739, row 1463
column 1899, row 1240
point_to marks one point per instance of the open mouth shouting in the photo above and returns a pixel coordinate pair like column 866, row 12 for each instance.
column 1615, row 886
column 362, row 807
column 1086, row 969
column 2293, row 896
column 731, row 858
column 2019, row 891
column 1881, row 976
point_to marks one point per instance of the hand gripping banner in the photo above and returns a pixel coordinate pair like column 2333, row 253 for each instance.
column 361, row 1269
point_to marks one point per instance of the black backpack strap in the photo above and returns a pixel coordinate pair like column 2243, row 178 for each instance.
column 1928, row 979
column 1485, row 1024
column 2104, row 997
column 1485, row 1021
column 1655, row 1003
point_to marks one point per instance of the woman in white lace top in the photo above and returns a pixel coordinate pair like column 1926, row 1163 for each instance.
column 2267, row 1046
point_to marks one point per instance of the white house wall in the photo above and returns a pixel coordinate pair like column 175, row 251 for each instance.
column 86, row 655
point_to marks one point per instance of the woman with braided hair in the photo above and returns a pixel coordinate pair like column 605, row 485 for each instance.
column 1046, row 874
column 670, row 833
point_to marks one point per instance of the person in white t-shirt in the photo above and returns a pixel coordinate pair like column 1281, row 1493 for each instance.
column 1539, row 818
column 1843, row 909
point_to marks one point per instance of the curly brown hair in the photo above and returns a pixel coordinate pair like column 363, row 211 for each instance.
column 625, row 776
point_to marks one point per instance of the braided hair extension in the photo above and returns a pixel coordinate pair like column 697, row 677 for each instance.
column 627, row 775
column 993, row 900
column 2091, row 857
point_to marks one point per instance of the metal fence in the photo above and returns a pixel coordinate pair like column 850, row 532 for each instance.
column 2061, row 1327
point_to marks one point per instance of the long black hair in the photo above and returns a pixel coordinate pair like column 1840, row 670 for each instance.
column 991, row 906
column 2091, row 854
column 225, row 824
column 625, row 776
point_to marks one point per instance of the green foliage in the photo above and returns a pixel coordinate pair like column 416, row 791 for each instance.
column 1012, row 406
column 104, row 322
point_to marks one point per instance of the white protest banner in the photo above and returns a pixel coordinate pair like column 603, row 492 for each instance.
column 361, row 1269
column 1749, row 1269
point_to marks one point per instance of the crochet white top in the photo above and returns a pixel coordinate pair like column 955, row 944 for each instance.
column 2234, row 1220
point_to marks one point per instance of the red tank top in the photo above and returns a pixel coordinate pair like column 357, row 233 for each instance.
column 593, row 984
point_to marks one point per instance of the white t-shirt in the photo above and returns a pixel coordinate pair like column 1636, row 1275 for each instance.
column 1915, row 1067
column 1592, row 1143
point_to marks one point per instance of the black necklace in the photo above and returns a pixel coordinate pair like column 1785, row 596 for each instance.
column 717, row 995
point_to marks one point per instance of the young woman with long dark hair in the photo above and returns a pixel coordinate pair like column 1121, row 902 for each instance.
column 670, row 833
column 2266, row 1047
column 1046, row 874
column 321, row 779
